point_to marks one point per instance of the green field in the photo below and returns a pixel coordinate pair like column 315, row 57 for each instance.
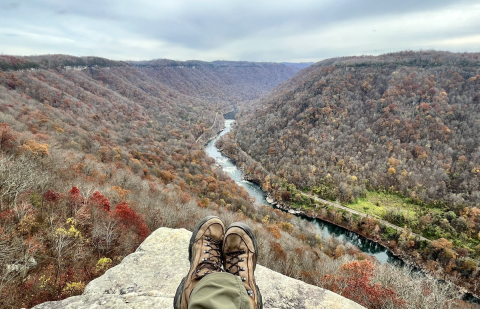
column 400, row 211
column 378, row 204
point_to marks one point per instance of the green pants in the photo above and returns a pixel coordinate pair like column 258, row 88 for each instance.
column 220, row 291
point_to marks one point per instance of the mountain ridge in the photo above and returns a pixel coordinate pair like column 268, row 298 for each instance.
column 398, row 129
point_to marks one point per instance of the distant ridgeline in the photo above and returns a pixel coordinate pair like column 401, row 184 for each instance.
column 213, row 64
column 421, row 59
column 54, row 62
column 300, row 65
column 218, row 80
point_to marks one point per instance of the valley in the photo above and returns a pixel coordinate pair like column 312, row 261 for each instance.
column 324, row 229
column 344, row 134
column 96, row 154
column 336, row 132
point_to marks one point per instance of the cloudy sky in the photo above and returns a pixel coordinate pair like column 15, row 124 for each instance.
column 261, row 30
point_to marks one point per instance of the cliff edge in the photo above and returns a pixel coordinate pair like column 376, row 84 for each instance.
column 148, row 278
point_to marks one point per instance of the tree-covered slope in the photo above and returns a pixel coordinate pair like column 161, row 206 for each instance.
column 395, row 136
column 219, row 81
column 406, row 121
column 94, row 154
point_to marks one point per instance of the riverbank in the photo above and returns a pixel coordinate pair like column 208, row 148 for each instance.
column 400, row 242
column 401, row 256
column 211, row 133
column 405, row 257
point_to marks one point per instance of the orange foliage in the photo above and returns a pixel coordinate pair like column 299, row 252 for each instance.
column 275, row 231
column 32, row 147
column 166, row 176
column 122, row 193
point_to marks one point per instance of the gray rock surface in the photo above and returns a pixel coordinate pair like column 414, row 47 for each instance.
column 148, row 278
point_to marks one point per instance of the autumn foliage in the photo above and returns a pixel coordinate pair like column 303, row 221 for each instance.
column 129, row 219
column 96, row 153
column 402, row 122
column 402, row 125
column 355, row 282
column 7, row 137
column 100, row 201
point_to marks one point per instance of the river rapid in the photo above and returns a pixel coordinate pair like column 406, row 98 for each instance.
column 323, row 228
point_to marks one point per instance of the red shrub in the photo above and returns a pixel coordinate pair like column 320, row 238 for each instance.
column 76, row 199
column 100, row 201
column 51, row 196
column 354, row 282
column 129, row 219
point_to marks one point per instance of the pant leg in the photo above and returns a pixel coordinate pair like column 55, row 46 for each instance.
column 220, row 291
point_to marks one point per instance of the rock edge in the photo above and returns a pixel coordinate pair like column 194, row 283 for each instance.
column 148, row 278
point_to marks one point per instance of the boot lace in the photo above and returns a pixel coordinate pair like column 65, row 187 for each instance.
column 231, row 256
column 212, row 263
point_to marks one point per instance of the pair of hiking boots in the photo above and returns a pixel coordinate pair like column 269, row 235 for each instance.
column 212, row 249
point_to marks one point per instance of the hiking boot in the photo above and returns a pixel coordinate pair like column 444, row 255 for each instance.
column 240, row 259
column 205, row 256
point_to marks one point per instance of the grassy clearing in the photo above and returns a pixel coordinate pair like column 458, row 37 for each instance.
column 377, row 204
column 401, row 212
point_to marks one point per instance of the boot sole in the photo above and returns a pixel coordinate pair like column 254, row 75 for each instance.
column 249, row 232
column 177, row 301
column 260, row 299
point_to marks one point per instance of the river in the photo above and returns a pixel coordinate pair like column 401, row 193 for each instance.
column 323, row 228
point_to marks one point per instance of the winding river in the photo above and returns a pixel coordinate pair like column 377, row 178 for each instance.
column 324, row 229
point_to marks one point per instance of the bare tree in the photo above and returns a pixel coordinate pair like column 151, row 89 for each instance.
column 17, row 175
column 419, row 290
column 15, row 261
column 105, row 234
column 62, row 240
column 22, row 209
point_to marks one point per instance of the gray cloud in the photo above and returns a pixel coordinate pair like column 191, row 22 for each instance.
column 264, row 30
column 10, row 6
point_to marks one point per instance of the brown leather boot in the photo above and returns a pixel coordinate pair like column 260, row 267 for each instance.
column 240, row 259
column 205, row 255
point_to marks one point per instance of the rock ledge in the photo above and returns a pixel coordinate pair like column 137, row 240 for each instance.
column 148, row 278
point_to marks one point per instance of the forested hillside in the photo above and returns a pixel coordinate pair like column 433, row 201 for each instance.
column 399, row 128
column 407, row 121
column 95, row 154
column 219, row 81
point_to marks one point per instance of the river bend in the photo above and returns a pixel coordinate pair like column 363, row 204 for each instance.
column 323, row 228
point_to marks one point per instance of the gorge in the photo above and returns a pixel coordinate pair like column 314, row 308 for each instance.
column 323, row 228
column 113, row 151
